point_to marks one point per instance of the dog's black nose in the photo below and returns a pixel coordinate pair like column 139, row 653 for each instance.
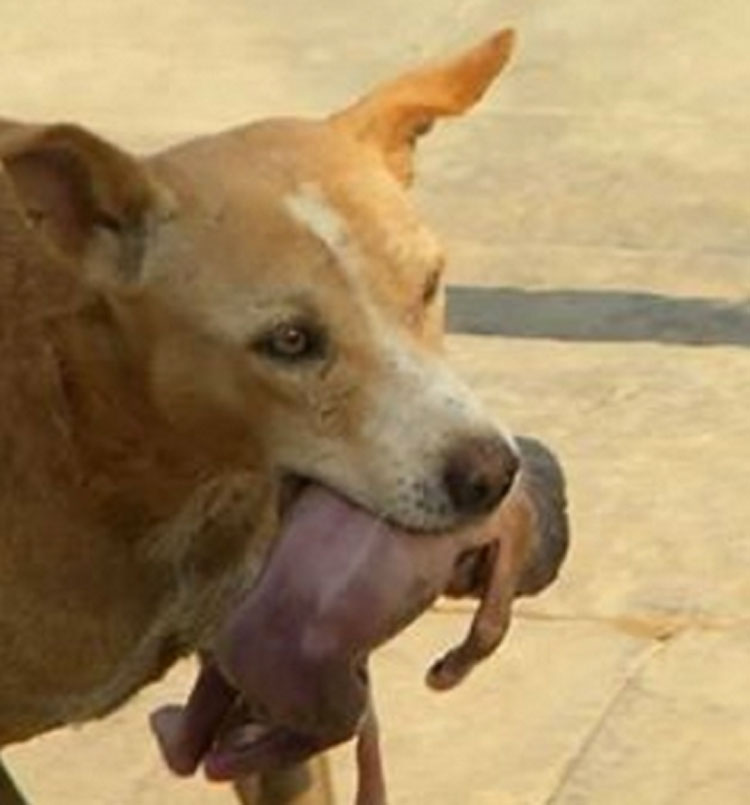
column 478, row 474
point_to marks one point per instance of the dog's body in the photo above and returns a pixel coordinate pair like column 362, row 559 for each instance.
column 181, row 337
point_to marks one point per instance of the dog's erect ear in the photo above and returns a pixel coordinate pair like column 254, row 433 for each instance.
column 74, row 186
column 397, row 113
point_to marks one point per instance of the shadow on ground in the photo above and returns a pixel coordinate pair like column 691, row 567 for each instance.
column 592, row 315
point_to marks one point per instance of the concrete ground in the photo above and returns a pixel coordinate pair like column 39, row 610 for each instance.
column 599, row 220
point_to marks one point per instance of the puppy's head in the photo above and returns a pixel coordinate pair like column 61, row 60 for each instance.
column 309, row 289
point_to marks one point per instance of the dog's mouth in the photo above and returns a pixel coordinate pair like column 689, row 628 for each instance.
column 287, row 675
column 292, row 486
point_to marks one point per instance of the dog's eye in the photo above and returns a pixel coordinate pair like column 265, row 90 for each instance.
column 292, row 341
column 431, row 286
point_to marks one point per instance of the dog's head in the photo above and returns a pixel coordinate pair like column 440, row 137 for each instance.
column 278, row 289
column 292, row 251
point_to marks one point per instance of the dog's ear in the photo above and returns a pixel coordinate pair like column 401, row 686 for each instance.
column 394, row 115
column 75, row 186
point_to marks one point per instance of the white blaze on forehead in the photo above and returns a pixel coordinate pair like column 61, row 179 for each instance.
column 403, row 240
column 310, row 208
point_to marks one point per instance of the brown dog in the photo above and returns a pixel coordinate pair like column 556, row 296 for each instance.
column 189, row 340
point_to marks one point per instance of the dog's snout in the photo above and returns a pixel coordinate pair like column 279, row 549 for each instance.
column 479, row 473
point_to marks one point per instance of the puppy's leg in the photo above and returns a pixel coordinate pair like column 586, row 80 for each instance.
column 490, row 622
column 9, row 794
column 371, row 778
column 503, row 562
column 310, row 783
column 307, row 783
column 248, row 790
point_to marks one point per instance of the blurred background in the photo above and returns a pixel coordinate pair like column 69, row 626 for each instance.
column 597, row 214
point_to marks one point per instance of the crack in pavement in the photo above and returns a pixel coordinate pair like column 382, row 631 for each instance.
column 660, row 627
column 638, row 666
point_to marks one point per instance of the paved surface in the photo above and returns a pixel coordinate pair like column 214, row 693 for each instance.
column 600, row 196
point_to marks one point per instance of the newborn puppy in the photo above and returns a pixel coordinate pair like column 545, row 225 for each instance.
column 532, row 522
column 328, row 597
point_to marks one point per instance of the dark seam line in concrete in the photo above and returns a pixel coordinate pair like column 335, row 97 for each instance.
column 597, row 316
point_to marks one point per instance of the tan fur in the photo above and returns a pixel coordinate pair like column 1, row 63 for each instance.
column 90, row 475
column 143, row 436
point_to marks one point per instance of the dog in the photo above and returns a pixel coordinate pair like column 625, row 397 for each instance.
column 191, row 342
